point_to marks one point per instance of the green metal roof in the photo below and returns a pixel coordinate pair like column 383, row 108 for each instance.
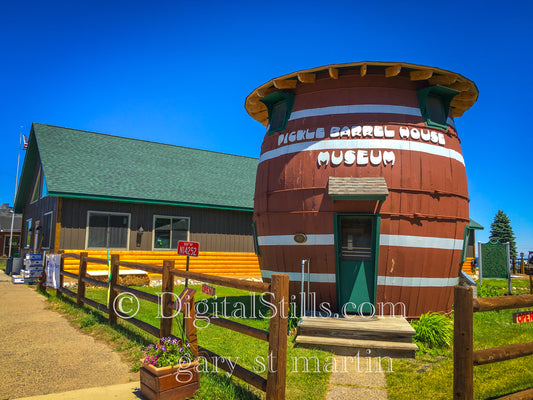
column 474, row 225
column 85, row 164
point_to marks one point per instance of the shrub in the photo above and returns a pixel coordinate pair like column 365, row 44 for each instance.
column 434, row 329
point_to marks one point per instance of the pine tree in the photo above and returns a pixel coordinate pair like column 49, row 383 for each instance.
column 501, row 230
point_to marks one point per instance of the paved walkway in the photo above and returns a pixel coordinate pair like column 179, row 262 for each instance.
column 41, row 353
column 355, row 379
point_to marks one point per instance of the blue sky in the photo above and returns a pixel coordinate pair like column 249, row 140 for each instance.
column 176, row 72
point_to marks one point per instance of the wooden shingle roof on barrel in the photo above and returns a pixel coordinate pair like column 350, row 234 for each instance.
column 434, row 76
column 368, row 188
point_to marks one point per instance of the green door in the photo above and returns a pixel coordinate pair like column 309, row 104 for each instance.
column 356, row 260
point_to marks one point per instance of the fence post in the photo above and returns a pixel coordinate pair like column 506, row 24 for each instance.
column 277, row 340
column 189, row 318
column 112, row 291
column 81, row 274
column 167, row 286
column 463, row 344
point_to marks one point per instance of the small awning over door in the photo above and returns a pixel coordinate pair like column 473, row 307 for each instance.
column 357, row 194
column 340, row 188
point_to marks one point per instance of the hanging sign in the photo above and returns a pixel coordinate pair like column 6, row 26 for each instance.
column 523, row 316
column 188, row 248
column 209, row 290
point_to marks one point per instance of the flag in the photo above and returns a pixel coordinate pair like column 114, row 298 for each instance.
column 25, row 146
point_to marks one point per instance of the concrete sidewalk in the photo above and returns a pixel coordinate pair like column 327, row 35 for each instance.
column 41, row 353
column 125, row 391
column 352, row 381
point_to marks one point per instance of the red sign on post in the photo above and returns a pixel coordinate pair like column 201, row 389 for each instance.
column 188, row 248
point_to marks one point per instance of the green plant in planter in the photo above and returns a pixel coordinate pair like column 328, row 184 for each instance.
column 434, row 329
column 168, row 352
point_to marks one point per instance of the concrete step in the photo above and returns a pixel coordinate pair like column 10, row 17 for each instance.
column 359, row 348
column 376, row 328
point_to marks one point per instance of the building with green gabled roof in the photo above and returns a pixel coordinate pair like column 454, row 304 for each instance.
column 87, row 190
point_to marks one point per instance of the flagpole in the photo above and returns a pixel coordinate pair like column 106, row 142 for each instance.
column 15, row 196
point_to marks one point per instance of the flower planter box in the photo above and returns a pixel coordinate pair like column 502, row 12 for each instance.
column 169, row 383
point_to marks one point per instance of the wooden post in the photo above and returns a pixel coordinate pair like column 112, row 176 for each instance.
column 112, row 291
column 189, row 316
column 167, row 286
column 530, row 284
column 81, row 274
column 463, row 344
column 277, row 343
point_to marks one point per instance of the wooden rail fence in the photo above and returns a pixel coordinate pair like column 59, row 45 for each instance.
column 276, row 336
column 464, row 355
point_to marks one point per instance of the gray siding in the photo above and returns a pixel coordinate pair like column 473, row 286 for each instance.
column 216, row 230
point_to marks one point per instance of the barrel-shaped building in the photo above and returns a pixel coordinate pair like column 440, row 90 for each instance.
column 361, row 184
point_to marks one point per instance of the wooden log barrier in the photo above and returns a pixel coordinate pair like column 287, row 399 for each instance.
column 228, row 282
column 523, row 395
column 239, row 371
column 502, row 302
column 502, row 353
column 237, row 327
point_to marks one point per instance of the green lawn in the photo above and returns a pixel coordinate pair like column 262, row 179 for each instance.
column 430, row 375
column 249, row 352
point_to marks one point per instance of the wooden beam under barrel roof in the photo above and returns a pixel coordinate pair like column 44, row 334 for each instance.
column 420, row 75
column 393, row 71
column 285, row 83
column 333, row 73
column 307, row 77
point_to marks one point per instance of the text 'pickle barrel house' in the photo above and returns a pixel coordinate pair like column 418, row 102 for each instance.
column 361, row 173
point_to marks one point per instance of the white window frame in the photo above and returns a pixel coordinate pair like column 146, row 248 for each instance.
column 90, row 212
column 51, row 223
column 169, row 216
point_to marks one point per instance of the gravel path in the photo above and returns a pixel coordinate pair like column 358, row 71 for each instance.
column 41, row 353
